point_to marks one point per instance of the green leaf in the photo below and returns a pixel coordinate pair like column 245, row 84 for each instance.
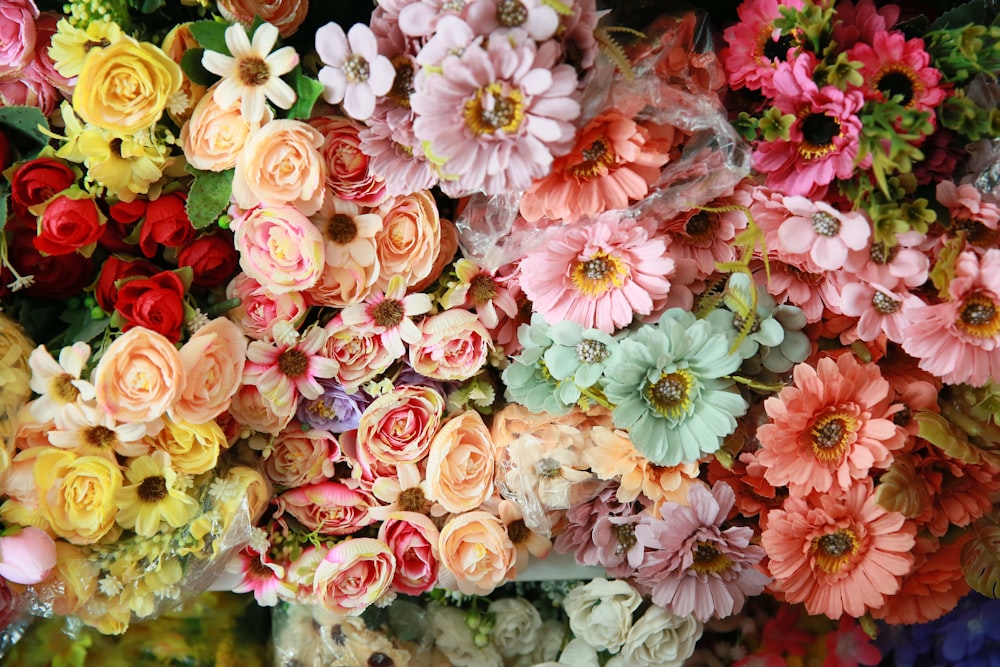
column 4, row 194
column 209, row 196
column 307, row 91
column 981, row 556
column 211, row 35
column 91, row 330
column 150, row 6
column 23, row 126
column 977, row 11
column 191, row 64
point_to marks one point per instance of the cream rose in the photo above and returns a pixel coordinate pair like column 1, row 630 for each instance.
column 361, row 355
column 659, row 639
column 454, row 346
column 213, row 137
column 76, row 494
column 517, row 626
column 139, row 377
column 353, row 575
column 125, row 87
column 213, row 360
column 410, row 238
column 476, row 551
column 461, row 464
column 280, row 165
column 280, row 248
column 600, row 612
column 344, row 284
column 454, row 638
column 397, row 427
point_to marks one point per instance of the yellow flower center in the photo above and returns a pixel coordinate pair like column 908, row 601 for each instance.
column 596, row 159
column 63, row 389
column 152, row 489
column 494, row 109
column 595, row 276
column 708, row 559
column 670, row 395
column 978, row 316
column 253, row 72
column 833, row 551
column 831, row 435
column 293, row 363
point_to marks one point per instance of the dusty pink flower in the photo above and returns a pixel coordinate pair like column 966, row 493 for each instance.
column 279, row 247
column 330, row 508
column 260, row 310
column 348, row 168
column 17, row 35
column 361, row 356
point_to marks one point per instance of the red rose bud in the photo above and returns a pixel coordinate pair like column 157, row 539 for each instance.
column 38, row 180
column 156, row 303
column 115, row 269
column 127, row 212
column 212, row 258
column 68, row 225
column 54, row 277
column 166, row 224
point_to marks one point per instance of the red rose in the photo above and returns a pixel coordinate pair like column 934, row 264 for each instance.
column 68, row 225
column 54, row 277
column 115, row 269
column 127, row 212
column 156, row 303
column 121, row 222
column 38, row 180
column 212, row 257
column 166, row 224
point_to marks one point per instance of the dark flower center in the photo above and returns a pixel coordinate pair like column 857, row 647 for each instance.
column 777, row 49
column 342, row 229
column 63, row 388
column 825, row 224
column 835, row 544
column 402, row 84
column 896, row 82
column 518, row 532
column 253, row 72
column 258, row 570
column 739, row 322
column 116, row 147
column 818, row 130
column 100, row 436
column 978, row 316
column 881, row 253
column 511, row 13
column 707, row 559
column 293, row 363
column 700, row 225
column 625, row 536
column 412, row 500
column 830, row 434
column 482, row 289
column 591, row 351
column 670, row 395
column 380, row 660
column 976, row 233
column 337, row 635
column 388, row 313
column 152, row 489
column 903, row 417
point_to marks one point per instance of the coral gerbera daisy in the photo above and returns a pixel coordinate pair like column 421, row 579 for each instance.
column 838, row 554
column 830, row 427
column 251, row 75
column 154, row 495
column 755, row 46
column 893, row 66
column 599, row 275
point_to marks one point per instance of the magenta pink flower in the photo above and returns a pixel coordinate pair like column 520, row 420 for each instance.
column 290, row 367
column 261, row 576
column 692, row 565
column 599, row 274
column 494, row 117
column 893, row 65
column 822, row 232
column 755, row 47
column 823, row 139
column 858, row 22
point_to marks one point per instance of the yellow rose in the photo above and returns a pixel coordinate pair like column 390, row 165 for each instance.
column 126, row 86
column 73, row 581
column 77, row 494
column 193, row 448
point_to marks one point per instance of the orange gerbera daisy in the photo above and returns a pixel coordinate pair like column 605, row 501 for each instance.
column 838, row 554
column 933, row 588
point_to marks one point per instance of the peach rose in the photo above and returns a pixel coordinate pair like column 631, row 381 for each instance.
column 213, row 137
column 213, row 360
column 280, row 248
column 250, row 408
column 139, row 377
column 397, row 427
column 280, row 165
column 285, row 15
column 461, row 465
column 446, row 253
column 302, row 457
column 348, row 175
column 413, row 540
column 330, row 508
column 179, row 41
column 344, row 284
column 454, row 346
column 353, row 575
column 76, row 494
column 361, row 355
column 476, row 550
column 260, row 310
column 410, row 239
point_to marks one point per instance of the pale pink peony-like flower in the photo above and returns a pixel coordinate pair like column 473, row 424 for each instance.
column 279, row 247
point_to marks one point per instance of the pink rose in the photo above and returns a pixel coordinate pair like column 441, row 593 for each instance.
column 365, row 468
column 329, row 508
column 279, row 248
column 250, row 408
column 361, row 355
column 213, row 137
column 476, row 553
column 27, row 556
column 213, row 360
column 413, row 540
column 398, row 426
column 285, row 15
column 280, row 165
column 260, row 310
column 302, row 457
column 30, row 89
column 17, row 35
column 344, row 283
column 353, row 575
column 139, row 377
column 348, row 174
column 410, row 239
column 454, row 346
column 461, row 466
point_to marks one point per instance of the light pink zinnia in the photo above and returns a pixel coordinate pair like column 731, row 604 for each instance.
column 600, row 274
column 692, row 565
column 494, row 117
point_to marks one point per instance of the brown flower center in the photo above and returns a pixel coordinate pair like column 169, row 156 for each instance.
column 412, row 500
column 100, row 436
column 518, row 532
column 881, row 253
column 494, row 109
column 402, row 84
column 253, row 71
column 341, row 229
column 63, row 389
column 293, row 363
column 831, row 435
column 152, row 489
column 708, row 559
column 258, row 570
column 700, row 226
column 777, row 49
column 388, row 313
column 482, row 289
column 976, row 233
column 825, row 224
column 511, row 13
column 885, row 304
column 625, row 536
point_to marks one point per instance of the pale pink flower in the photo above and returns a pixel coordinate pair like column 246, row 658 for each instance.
column 479, row 288
column 454, row 346
column 59, row 385
column 388, row 315
column 496, row 18
column 349, row 232
column 260, row 309
column 27, row 556
column 17, row 36
column 880, row 310
column 354, row 73
column 421, row 18
column 965, row 205
column 327, row 507
column 361, row 355
column 821, row 231
column 353, row 575
column 285, row 370
column 407, row 492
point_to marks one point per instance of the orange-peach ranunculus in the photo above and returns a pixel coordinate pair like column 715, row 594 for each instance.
column 139, row 377
column 213, row 360
column 461, row 465
column 285, row 15
column 353, row 575
column 179, row 41
column 476, row 550
column 348, row 174
column 213, row 137
column 454, row 346
column 280, row 165
column 344, row 284
column 302, row 457
column 398, row 426
column 410, row 239
column 250, row 408
column 77, row 494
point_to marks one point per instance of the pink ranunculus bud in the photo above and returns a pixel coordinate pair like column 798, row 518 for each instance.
column 26, row 557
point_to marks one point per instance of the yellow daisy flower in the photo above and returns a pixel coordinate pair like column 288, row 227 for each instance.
column 154, row 495
column 71, row 45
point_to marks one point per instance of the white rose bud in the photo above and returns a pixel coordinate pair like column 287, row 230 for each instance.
column 661, row 639
column 517, row 626
column 600, row 612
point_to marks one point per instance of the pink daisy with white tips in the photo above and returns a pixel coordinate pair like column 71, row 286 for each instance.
column 388, row 315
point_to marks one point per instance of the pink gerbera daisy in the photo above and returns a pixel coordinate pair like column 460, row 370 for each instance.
column 703, row 235
column 691, row 564
column 838, row 554
column 823, row 138
column 290, row 366
column 493, row 118
column 830, row 427
column 755, row 46
column 858, row 22
column 966, row 208
column 959, row 340
column 600, row 274
column 895, row 66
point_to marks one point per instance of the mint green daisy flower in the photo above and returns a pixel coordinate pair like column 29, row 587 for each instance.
column 577, row 358
column 527, row 378
column 668, row 387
